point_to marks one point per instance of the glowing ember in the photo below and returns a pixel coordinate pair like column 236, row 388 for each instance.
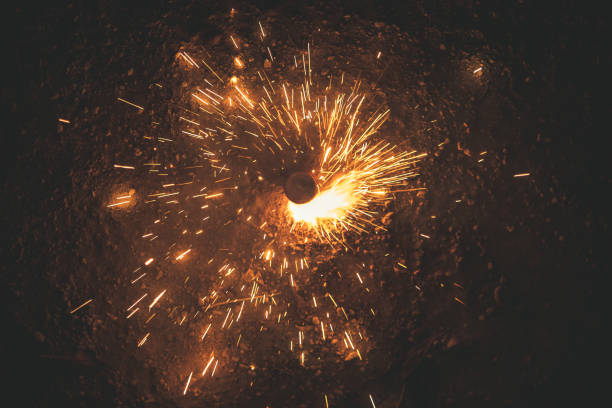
column 330, row 206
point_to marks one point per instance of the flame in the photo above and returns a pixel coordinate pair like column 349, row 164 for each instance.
column 332, row 204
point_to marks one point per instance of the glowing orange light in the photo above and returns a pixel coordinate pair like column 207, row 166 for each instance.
column 182, row 255
column 331, row 204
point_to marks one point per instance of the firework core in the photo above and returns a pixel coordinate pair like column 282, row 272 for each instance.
column 331, row 204
column 301, row 188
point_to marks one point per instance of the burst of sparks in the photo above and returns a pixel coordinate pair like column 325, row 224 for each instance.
column 256, row 131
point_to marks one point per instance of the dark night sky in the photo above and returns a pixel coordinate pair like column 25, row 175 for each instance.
column 561, row 48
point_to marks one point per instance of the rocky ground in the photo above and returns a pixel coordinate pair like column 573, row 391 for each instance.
column 499, row 303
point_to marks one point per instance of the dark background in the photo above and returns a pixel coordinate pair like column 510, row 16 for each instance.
column 562, row 49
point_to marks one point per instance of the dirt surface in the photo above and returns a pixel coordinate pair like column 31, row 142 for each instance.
column 485, row 286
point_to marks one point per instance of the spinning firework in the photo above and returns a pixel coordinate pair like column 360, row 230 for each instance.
column 285, row 168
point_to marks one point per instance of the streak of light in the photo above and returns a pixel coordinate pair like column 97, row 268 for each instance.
column 181, row 256
column 119, row 203
column 81, row 306
column 212, row 357
column 187, row 385
column 138, row 278
column 229, row 309
column 130, row 103
column 132, row 313
column 189, row 60
column 144, row 339
column 157, row 299
column 206, row 331
column 136, row 302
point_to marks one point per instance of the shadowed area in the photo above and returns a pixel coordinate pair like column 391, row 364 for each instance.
column 300, row 188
